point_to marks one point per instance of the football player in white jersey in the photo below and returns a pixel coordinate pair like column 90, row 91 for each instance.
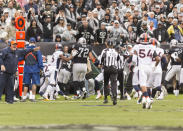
column 145, row 52
column 135, row 79
column 132, row 62
column 156, row 76
column 53, row 73
column 44, row 78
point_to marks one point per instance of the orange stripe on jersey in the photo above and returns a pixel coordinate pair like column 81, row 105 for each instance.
column 145, row 40
column 153, row 42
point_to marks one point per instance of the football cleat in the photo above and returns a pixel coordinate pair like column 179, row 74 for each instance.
column 176, row 92
column 105, row 101
column 15, row 99
column 98, row 96
column 23, row 100
column 9, row 102
column 161, row 97
column 76, row 97
column 45, row 96
column 84, row 95
column 144, row 102
column 149, row 103
column 164, row 90
column 115, row 101
column 128, row 96
column 46, row 100
column 67, row 97
column 52, row 99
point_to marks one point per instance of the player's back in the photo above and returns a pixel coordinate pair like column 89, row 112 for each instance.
column 83, row 53
column 145, row 54
column 55, row 56
column 174, row 53
column 67, row 64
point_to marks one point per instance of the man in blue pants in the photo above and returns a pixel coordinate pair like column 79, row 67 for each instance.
column 9, row 58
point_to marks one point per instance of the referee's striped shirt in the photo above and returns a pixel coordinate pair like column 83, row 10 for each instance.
column 110, row 58
column 121, row 62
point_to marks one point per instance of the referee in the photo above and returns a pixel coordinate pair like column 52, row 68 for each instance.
column 109, row 62
column 120, row 71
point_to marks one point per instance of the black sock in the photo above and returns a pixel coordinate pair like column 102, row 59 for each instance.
column 82, row 85
column 76, row 87
column 149, row 92
column 154, row 92
column 67, row 89
column 165, row 83
column 97, row 85
column 177, row 85
column 61, row 86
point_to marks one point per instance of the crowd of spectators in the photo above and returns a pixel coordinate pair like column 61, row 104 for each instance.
column 95, row 20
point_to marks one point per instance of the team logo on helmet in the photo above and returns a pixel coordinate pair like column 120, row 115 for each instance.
column 82, row 41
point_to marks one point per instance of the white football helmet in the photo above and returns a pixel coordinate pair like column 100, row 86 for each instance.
column 173, row 43
column 144, row 38
column 82, row 41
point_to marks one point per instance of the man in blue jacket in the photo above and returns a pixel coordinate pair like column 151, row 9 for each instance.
column 9, row 58
column 33, row 66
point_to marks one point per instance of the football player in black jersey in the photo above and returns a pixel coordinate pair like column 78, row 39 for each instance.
column 181, row 71
column 80, row 53
column 175, row 63
column 64, row 73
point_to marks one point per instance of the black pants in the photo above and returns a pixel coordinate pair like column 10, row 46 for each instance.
column 110, row 73
column 120, row 79
column 7, row 83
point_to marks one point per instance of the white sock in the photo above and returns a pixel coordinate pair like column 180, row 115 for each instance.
column 98, row 92
column 30, row 95
column 57, row 88
column 33, row 97
column 78, row 92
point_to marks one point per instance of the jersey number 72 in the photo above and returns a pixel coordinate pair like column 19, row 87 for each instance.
column 83, row 52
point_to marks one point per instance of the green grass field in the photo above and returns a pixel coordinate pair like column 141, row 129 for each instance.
column 166, row 113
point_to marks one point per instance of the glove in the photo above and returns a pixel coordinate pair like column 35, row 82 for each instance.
column 74, row 53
